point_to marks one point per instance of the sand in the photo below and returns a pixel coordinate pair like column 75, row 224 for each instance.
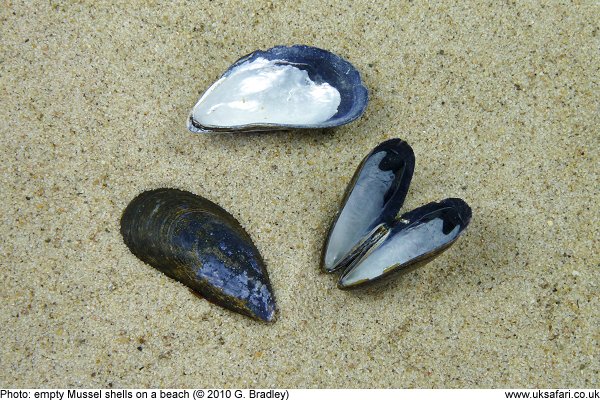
column 499, row 100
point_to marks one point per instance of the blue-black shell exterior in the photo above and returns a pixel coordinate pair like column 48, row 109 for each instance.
column 199, row 244
column 452, row 211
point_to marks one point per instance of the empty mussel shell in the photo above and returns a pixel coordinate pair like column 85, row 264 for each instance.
column 199, row 244
column 415, row 239
column 374, row 196
column 367, row 242
column 296, row 87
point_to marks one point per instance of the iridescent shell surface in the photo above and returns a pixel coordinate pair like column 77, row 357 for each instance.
column 367, row 242
column 374, row 196
column 322, row 66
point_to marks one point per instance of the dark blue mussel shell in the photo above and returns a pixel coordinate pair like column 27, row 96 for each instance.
column 414, row 240
column 367, row 242
column 199, row 244
column 374, row 196
column 322, row 66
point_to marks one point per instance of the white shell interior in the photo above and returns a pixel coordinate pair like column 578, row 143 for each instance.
column 362, row 208
column 400, row 248
column 266, row 91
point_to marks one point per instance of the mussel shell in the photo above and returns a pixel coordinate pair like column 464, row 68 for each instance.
column 322, row 66
column 416, row 238
column 199, row 244
column 373, row 197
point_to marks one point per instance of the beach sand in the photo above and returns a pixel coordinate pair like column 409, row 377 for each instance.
column 500, row 102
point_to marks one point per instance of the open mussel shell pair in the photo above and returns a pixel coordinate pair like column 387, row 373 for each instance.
column 199, row 244
column 282, row 88
column 367, row 242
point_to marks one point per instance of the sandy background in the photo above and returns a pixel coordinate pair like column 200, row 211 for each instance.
column 499, row 100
